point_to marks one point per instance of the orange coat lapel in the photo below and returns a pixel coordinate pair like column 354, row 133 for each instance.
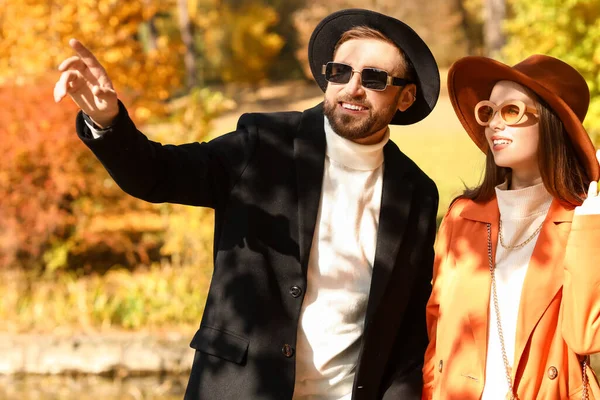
column 478, row 290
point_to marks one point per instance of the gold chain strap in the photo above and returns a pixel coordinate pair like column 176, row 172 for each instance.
column 510, row 395
column 517, row 246
column 584, row 394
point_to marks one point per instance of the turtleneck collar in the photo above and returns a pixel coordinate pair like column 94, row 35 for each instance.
column 352, row 155
column 522, row 203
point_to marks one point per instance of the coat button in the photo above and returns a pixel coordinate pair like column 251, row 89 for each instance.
column 441, row 366
column 287, row 350
column 552, row 373
column 296, row 291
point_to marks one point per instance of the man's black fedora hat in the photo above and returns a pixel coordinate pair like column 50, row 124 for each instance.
column 329, row 31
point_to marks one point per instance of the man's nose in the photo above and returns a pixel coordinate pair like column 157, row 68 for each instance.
column 354, row 85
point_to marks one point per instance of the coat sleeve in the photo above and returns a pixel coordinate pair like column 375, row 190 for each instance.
column 442, row 245
column 200, row 174
column 580, row 322
column 405, row 380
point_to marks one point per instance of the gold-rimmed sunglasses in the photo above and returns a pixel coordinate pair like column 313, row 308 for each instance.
column 371, row 78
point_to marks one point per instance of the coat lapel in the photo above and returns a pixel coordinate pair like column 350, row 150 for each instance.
column 393, row 216
column 544, row 276
column 309, row 156
column 543, row 280
column 479, row 282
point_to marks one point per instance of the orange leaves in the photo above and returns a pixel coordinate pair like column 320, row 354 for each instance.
column 56, row 200
column 34, row 167
column 34, row 38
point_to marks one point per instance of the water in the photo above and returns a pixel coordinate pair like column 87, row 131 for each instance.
column 92, row 387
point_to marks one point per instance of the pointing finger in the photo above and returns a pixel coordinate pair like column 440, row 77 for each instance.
column 86, row 56
column 91, row 62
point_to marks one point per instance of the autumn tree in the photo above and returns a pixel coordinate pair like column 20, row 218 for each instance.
column 569, row 30
column 57, row 203
column 34, row 36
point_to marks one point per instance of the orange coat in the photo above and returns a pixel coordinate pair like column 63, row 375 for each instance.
column 559, row 312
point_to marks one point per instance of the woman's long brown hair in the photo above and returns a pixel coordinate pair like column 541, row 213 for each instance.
column 562, row 172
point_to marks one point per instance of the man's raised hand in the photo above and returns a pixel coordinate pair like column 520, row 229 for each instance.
column 86, row 81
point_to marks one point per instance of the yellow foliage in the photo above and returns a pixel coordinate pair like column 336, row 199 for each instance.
column 34, row 38
column 238, row 41
column 189, row 236
column 142, row 221
column 566, row 29
column 193, row 116
column 156, row 297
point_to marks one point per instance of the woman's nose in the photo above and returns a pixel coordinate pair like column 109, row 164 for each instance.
column 496, row 122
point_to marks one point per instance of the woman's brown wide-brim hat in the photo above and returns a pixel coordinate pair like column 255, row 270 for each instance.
column 471, row 79
column 329, row 31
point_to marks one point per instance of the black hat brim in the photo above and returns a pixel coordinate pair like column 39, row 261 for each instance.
column 329, row 31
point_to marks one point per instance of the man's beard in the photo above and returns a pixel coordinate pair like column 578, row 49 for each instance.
column 358, row 127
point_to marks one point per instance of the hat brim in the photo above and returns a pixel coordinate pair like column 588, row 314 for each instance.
column 329, row 31
column 471, row 79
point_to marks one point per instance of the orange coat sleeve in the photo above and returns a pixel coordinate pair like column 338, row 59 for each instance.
column 580, row 322
column 442, row 246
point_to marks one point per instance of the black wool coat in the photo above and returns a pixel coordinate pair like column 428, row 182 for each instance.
column 264, row 182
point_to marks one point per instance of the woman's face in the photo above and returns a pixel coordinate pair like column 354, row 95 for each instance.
column 514, row 146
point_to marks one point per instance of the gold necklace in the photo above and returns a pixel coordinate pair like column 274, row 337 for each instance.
column 517, row 246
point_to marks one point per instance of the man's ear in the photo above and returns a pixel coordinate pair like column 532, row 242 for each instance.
column 408, row 95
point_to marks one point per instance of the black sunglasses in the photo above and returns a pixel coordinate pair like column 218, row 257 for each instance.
column 371, row 78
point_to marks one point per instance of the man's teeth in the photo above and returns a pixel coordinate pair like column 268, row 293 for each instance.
column 353, row 107
column 501, row 141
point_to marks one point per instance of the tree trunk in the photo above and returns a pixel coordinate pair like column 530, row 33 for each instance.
column 152, row 34
column 152, row 31
column 460, row 7
column 493, row 35
column 187, row 36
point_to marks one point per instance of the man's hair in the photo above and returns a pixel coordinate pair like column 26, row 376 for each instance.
column 563, row 174
column 365, row 32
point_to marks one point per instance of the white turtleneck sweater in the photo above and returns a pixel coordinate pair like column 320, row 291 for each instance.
column 339, row 269
column 521, row 211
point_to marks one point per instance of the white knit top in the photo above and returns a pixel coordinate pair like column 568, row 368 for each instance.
column 339, row 269
column 521, row 211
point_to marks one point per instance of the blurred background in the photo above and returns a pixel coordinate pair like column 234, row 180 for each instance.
column 100, row 293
